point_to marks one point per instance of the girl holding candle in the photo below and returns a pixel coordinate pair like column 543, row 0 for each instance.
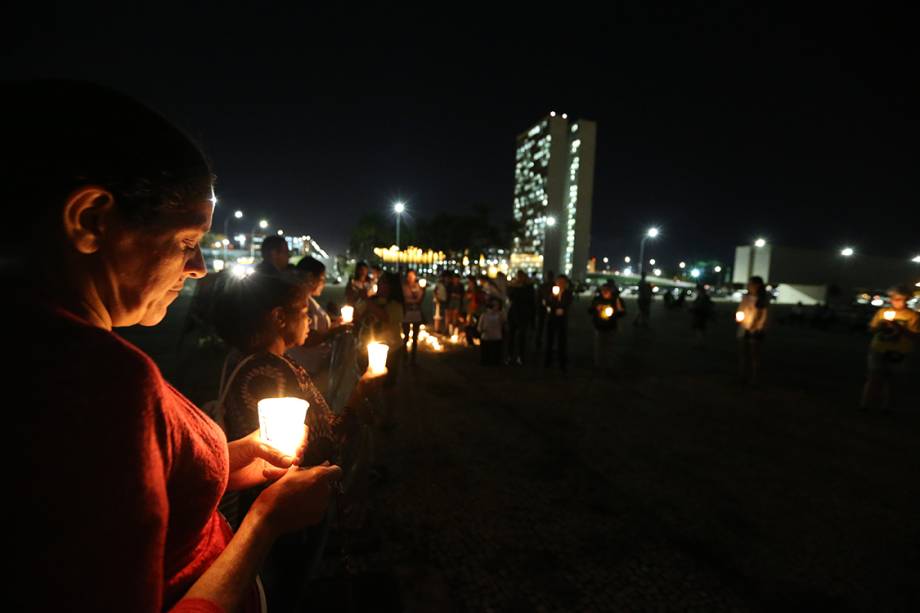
column 413, row 294
column 385, row 312
column 119, row 199
column 895, row 332
column 751, row 317
column 557, row 322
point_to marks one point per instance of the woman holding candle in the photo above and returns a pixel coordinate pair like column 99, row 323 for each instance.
column 120, row 199
column 605, row 310
column 751, row 317
column 385, row 312
column 557, row 321
column 413, row 294
column 895, row 332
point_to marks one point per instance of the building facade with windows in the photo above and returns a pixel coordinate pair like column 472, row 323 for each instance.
column 553, row 192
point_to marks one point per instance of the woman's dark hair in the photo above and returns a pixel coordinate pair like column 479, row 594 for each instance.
column 394, row 285
column 243, row 314
column 359, row 266
column 903, row 290
column 761, row 291
column 311, row 265
column 66, row 134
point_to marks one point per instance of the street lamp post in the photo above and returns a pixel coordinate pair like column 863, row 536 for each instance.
column 252, row 237
column 238, row 215
column 652, row 233
column 399, row 208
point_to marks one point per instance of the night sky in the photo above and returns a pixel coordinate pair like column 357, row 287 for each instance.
column 716, row 125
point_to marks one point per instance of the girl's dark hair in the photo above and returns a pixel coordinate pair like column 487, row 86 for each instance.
column 311, row 265
column 68, row 134
column 243, row 313
column 761, row 292
column 359, row 266
column 394, row 285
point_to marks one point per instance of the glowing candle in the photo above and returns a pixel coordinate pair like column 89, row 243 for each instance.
column 348, row 313
column 281, row 422
column 422, row 283
column 608, row 312
column 739, row 316
column 556, row 290
column 373, row 290
column 889, row 315
column 377, row 358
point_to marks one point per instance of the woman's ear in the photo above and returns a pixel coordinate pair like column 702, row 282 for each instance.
column 86, row 216
column 279, row 318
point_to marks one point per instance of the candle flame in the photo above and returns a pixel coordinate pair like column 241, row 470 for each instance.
column 889, row 315
column 739, row 316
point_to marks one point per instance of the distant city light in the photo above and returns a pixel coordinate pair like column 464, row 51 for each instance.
column 217, row 244
column 238, row 214
column 682, row 265
column 225, row 242
column 400, row 208
column 280, row 232
column 652, row 232
column 218, row 265
column 652, row 262
column 551, row 221
column 695, row 273
column 915, row 260
column 657, row 272
column 760, row 242
column 718, row 269
column 846, row 252
column 565, row 116
column 552, row 113
column 627, row 270
column 626, row 259
column 241, row 239
column 263, row 224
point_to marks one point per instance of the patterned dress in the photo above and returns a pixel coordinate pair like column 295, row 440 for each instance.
column 267, row 375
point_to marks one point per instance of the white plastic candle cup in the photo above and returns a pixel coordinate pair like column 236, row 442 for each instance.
column 739, row 316
column 556, row 290
column 608, row 311
column 374, row 289
column 422, row 283
column 281, row 422
column 889, row 315
column 348, row 313
column 377, row 358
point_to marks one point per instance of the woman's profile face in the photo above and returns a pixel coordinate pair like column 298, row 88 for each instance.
column 296, row 325
column 898, row 301
column 140, row 270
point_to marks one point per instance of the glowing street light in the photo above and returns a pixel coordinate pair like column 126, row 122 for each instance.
column 399, row 208
column 915, row 260
column 695, row 273
column 651, row 262
column 657, row 272
column 847, row 252
column 550, row 221
column 238, row 215
column 263, row 224
column 760, row 242
column 682, row 265
column 626, row 259
column 718, row 269
column 280, row 232
column 651, row 233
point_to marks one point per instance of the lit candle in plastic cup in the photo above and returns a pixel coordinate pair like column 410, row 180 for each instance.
column 739, row 316
column 348, row 313
column 889, row 315
column 608, row 312
column 374, row 289
column 556, row 290
column 281, row 422
column 422, row 283
column 377, row 358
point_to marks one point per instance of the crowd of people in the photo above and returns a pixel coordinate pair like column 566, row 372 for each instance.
column 124, row 476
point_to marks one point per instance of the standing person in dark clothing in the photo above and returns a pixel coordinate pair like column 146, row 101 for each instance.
column 544, row 293
column 275, row 255
column 356, row 289
column 701, row 311
column 557, row 323
column 605, row 310
column 454, row 304
column 520, row 316
column 645, row 303
column 413, row 295
column 490, row 326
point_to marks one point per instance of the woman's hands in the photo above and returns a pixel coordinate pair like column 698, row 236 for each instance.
column 254, row 462
column 297, row 499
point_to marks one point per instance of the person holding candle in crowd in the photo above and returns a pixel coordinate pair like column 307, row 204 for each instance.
column 120, row 200
column 454, row 304
column 558, row 303
column 752, row 322
column 473, row 302
column 491, row 324
column 263, row 317
column 385, row 313
column 440, row 302
column 895, row 332
column 413, row 295
column 315, row 353
column 544, row 295
column 520, row 316
column 358, row 286
column 700, row 312
column 605, row 310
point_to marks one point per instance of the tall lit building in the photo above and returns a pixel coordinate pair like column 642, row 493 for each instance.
column 553, row 189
